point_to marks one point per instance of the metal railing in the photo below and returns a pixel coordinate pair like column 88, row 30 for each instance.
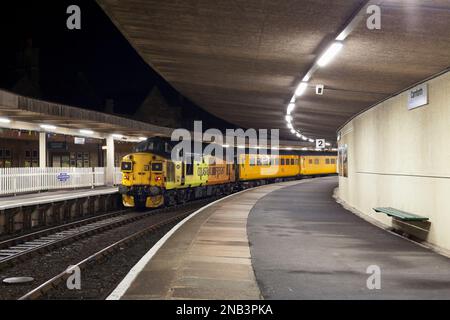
column 21, row 180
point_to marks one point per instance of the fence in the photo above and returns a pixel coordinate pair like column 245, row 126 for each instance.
column 20, row 180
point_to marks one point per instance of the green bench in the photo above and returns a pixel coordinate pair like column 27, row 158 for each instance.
column 402, row 215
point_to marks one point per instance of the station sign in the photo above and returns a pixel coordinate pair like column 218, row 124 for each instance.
column 418, row 96
column 63, row 177
column 78, row 140
column 320, row 144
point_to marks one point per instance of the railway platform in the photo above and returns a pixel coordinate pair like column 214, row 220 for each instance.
column 285, row 241
column 22, row 213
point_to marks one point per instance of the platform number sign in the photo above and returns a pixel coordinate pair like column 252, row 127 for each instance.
column 320, row 143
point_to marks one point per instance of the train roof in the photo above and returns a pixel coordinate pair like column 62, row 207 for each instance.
column 163, row 146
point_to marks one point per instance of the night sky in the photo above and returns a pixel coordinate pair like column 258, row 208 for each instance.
column 83, row 67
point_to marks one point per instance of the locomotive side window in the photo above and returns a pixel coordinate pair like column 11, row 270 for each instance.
column 282, row 161
column 189, row 169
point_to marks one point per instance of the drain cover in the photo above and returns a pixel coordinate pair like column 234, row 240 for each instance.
column 18, row 280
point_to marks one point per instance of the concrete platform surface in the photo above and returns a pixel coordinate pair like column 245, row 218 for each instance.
column 52, row 196
column 208, row 257
column 306, row 246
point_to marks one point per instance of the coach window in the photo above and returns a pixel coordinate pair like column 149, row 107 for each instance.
column 327, row 161
column 310, row 161
column 316, row 161
column 333, row 161
column 292, row 162
column 258, row 161
column 252, row 161
column 282, row 161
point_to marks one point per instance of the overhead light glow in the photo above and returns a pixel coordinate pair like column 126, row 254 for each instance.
column 241, row 147
column 142, row 138
column 290, row 108
column 306, row 78
column 225, row 146
column 289, row 118
column 47, row 127
column 298, row 135
column 304, row 138
column 293, row 131
column 331, row 52
column 289, row 125
column 4, row 120
column 301, row 89
column 328, row 144
column 117, row 136
column 293, row 99
column 88, row 132
column 311, row 140
column 304, row 149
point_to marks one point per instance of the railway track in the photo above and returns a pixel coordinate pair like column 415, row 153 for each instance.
column 20, row 248
column 102, row 254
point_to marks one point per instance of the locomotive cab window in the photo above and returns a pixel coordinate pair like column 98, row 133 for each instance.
column 157, row 167
column 126, row 166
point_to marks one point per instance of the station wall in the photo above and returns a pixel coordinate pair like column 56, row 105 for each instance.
column 400, row 158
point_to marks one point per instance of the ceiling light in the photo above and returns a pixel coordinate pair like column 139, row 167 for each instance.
column 47, row 127
column 226, row 146
column 289, row 148
column 293, row 131
column 288, row 118
column 142, row 138
column 293, row 99
column 331, row 52
column 290, row 108
column 328, row 144
column 298, row 135
column 4, row 120
column 304, row 149
column 304, row 138
column 89, row 132
column 241, row 147
column 306, row 78
column 117, row 136
column 289, row 125
column 311, row 140
column 301, row 89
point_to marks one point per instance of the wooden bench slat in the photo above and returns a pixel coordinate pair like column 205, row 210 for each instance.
column 406, row 216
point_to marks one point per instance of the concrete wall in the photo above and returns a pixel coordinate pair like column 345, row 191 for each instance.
column 399, row 158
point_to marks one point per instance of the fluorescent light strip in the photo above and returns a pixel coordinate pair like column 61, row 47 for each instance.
column 301, row 89
column 48, row 127
column 4, row 120
column 330, row 54
column 88, row 132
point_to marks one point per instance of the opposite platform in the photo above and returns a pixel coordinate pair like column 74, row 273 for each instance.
column 208, row 257
column 52, row 196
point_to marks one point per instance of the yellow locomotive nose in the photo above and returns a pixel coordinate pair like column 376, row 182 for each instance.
column 142, row 181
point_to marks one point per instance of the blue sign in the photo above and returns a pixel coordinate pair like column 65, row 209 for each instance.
column 63, row 177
